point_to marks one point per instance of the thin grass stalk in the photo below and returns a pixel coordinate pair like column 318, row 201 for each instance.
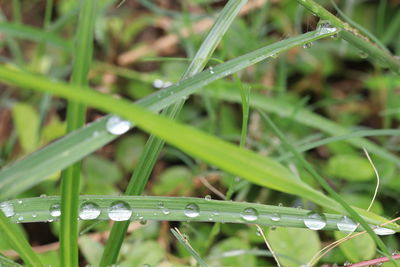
column 154, row 145
column 353, row 36
column 76, row 119
column 354, row 214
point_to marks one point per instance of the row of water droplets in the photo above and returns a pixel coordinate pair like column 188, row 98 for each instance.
column 121, row 211
column 324, row 27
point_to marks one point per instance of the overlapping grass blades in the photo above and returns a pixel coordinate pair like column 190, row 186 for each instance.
column 58, row 155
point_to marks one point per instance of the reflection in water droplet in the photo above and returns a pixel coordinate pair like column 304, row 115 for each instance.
column 346, row 224
column 384, row 231
column 192, row 210
column 315, row 221
column 249, row 214
column 55, row 210
column 117, row 126
column 89, row 211
column 275, row 217
column 7, row 208
column 207, row 197
column 119, row 211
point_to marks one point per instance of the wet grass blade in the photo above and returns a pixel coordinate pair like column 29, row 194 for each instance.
column 36, row 167
column 154, row 145
column 16, row 239
column 183, row 209
column 76, row 114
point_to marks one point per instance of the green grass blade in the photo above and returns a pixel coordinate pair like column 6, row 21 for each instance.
column 16, row 239
column 154, row 145
column 350, row 211
column 76, row 119
column 185, row 243
column 34, row 34
column 353, row 36
column 58, row 155
column 5, row 262
column 171, row 209
column 303, row 116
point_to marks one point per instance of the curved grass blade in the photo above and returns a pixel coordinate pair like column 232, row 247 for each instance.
column 17, row 240
column 154, row 145
column 76, row 114
column 139, row 208
column 353, row 36
column 304, row 117
column 34, row 34
column 38, row 166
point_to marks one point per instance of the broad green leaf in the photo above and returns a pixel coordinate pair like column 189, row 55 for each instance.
column 294, row 247
column 26, row 120
column 357, row 249
column 350, row 167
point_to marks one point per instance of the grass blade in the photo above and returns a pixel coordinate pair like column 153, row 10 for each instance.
column 76, row 119
column 16, row 239
column 172, row 209
column 58, row 155
column 154, row 145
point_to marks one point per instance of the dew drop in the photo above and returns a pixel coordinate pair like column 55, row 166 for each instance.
column 324, row 26
column 117, row 126
column 89, row 211
column 362, row 54
column 211, row 70
column 383, row 231
column 166, row 211
column 192, row 210
column 20, row 218
column 34, row 215
column 55, row 210
column 158, row 83
column 249, row 214
column 308, row 45
column 315, row 221
column 275, row 217
column 19, row 201
column 275, row 55
column 160, row 205
column 8, row 209
column 215, row 212
column 119, row 211
column 346, row 224
column 207, row 197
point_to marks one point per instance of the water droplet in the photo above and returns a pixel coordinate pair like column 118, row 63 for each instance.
column 249, row 214
column 119, row 211
column 89, row 211
column 166, row 211
column 275, row 55
column 192, row 210
column 158, row 83
column 160, row 205
column 7, row 208
column 207, row 197
column 20, row 218
column 55, row 210
column 96, row 133
column 34, row 215
column 383, row 231
column 362, row 54
column 346, row 224
column 215, row 212
column 308, row 45
column 19, row 201
column 117, row 126
column 315, row 221
column 324, row 26
column 43, row 195
column 167, row 84
column 347, row 263
column 275, row 217
column 211, row 70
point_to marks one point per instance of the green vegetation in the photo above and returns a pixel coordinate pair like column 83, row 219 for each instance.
column 251, row 112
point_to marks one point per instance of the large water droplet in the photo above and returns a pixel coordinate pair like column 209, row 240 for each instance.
column 89, row 211
column 117, row 126
column 7, row 208
column 324, row 26
column 192, row 210
column 315, row 221
column 275, row 217
column 158, row 83
column 346, row 224
column 55, row 210
column 207, row 197
column 383, row 231
column 249, row 214
column 308, row 45
column 119, row 211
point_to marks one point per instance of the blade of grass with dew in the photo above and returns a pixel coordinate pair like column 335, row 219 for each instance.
column 54, row 157
column 352, row 36
column 75, row 119
column 354, row 214
column 154, row 145
column 170, row 209
column 303, row 116
column 235, row 160
column 185, row 243
column 17, row 240
column 34, row 34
